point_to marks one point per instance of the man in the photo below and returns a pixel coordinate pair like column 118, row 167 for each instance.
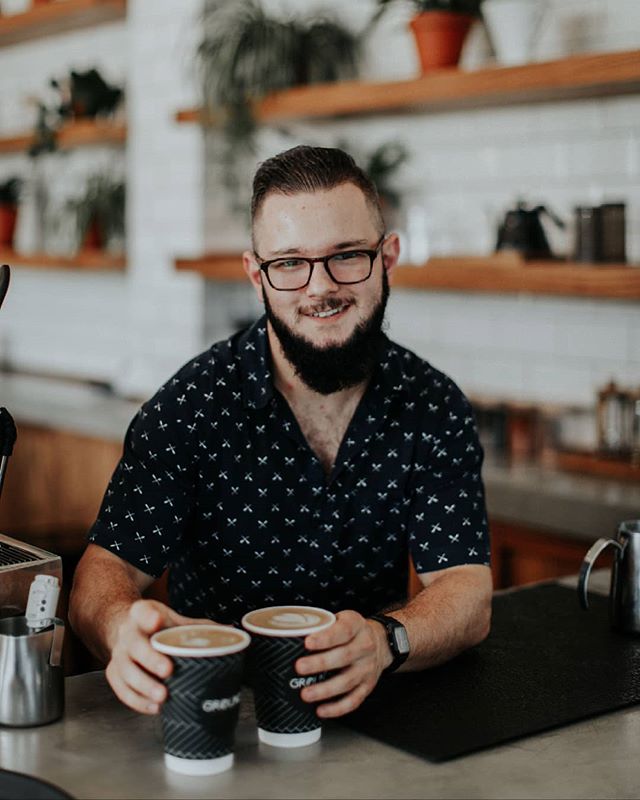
column 301, row 461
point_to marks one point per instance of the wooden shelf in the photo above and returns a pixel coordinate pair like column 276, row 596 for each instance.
column 58, row 17
column 593, row 464
column 216, row 266
column 501, row 274
column 85, row 260
column 83, row 133
column 582, row 76
column 496, row 275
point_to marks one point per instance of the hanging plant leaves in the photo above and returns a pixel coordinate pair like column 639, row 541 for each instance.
column 246, row 54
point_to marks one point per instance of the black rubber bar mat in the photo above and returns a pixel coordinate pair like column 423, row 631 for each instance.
column 545, row 663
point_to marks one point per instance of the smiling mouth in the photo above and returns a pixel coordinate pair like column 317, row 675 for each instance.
column 328, row 312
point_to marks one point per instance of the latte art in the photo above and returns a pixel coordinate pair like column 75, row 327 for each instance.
column 287, row 620
column 295, row 620
column 200, row 637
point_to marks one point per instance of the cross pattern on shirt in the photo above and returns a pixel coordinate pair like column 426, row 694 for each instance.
column 218, row 483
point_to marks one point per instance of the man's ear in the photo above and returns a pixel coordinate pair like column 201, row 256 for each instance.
column 253, row 272
column 390, row 252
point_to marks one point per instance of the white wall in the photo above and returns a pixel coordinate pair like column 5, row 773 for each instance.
column 466, row 169
column 61, row 322
column 165, row 169
column 130, row 329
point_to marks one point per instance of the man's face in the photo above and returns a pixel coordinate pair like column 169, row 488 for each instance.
column 315, row 224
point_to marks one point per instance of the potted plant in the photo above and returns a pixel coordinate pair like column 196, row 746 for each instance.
column 380, row 165
column 100, row 214
column 439, row 28
column 246, row 54
column 9, row 193
column 513, row 26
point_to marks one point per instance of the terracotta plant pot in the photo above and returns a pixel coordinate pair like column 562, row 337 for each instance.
column 93, row 239
column 8, row 216
column 439, row 37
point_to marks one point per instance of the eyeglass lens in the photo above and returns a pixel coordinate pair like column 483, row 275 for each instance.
column 294, row 273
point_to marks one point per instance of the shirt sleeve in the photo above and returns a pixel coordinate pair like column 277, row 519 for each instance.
column 150, row 497
column 447, row 524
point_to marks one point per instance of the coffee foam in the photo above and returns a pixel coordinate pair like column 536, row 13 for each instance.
column 295, row 619
column 288, row 618
column 199, row 638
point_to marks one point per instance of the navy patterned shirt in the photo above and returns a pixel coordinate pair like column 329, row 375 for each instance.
column 218, row 483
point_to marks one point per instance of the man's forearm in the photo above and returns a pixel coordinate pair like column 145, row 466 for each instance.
column 100, row 598
column 449, row 615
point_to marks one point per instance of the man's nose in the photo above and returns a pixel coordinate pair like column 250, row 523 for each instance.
column 321, row 283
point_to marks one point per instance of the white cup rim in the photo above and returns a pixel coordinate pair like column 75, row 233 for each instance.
column 200, row 652
column 288, row 632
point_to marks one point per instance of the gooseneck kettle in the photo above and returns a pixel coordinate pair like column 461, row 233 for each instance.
column 522, row 230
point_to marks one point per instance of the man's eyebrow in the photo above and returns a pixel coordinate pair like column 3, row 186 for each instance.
column 285, row 251
column 351, row 243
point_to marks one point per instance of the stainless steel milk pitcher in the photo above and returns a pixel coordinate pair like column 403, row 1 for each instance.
column 624, row 595
column 31, row 676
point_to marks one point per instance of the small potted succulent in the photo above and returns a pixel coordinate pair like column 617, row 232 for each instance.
column 9, row 194
column 440, row 28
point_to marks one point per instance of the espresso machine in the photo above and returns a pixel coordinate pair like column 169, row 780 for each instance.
column 19, row 562
column 31, row 636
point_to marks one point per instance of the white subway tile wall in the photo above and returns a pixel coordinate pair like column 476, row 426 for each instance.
column 132, row 329
column 466, row 169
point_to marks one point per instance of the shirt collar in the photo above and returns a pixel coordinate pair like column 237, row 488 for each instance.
column 255, row 365
column 257, row 376
column 391, row 376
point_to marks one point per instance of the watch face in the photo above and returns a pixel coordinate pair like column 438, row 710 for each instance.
column 401, row 639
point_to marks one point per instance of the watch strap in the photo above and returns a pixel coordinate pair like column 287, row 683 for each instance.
column 391, row 625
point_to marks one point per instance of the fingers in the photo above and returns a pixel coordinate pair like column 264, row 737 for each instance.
column 345, row 704
column 350, row 647
column 150, row 616
column 361, row 647
column 351, row 687
column 135, row 687
column 141, row 652
column 135, row 667
column 360, row 644
column 339, row 684
column 178, row 619
column 346, row 626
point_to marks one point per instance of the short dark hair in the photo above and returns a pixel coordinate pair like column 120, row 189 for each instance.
column 308, row 169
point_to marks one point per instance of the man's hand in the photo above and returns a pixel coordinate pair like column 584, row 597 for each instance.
column 134, row 664
column 355, row 646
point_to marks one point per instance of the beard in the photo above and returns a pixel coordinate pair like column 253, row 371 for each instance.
column 334, row 367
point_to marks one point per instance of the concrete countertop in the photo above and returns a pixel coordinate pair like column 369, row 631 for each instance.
column 578, row 506
column 100, row 749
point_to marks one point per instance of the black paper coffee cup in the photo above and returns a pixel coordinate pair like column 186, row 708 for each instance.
column 277, row 641
column 200, row 715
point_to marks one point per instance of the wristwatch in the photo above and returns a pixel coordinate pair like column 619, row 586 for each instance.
column 397, row 639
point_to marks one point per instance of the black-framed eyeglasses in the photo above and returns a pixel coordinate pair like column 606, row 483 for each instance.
column 294, row 272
